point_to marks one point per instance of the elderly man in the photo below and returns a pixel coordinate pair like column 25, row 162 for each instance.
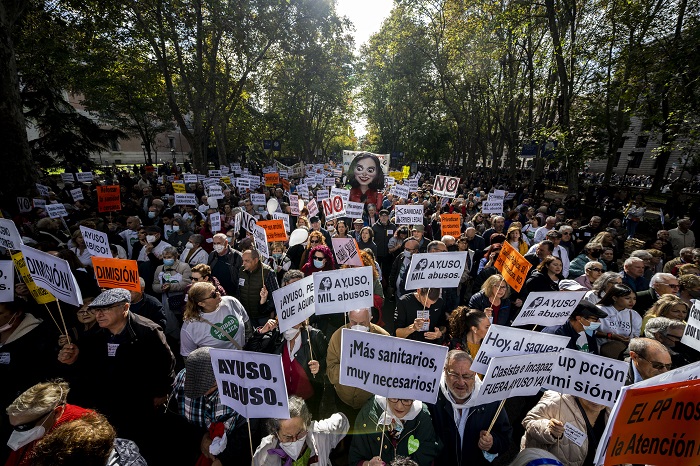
column 225, row 263
column 648, row 358
column 498, row 223
column 682, row 236
column 669, row 333
column 685, row 257
column 463, row 430
column 476, row 242
column 542, row 231
column 633, row 275
column 659, row 285
column 587, row 232
column 256, row 283
column 558, row 251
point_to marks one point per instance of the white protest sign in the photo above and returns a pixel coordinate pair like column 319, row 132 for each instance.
column 391, row 367
column 329, row 182
column 248, row 222
column 283, row 217
column 24, row 204
column 96, row 242
column 589, row 376
column 509, row 196
column 242, row 183
column 345, row 250
column 215, row 192
column 53, row 274
column 389, row 181
column 547, row 308
column 333, row 207
column 7, row 281
column 258, row 199
column 260, row 237
column 215, row 221
column 511, row 376
column 503, row 341
column 185, row 199
column 492, row 207
column 691, row 335
column 67, row 177
column 497, row 195
column 303, row 191
column 354, row 209
column 322, row 194
column 209, row 182
column 77, row 194
column 446, row 186
column 84, row 177
column 574, row 434
column 251, row 383
column 42, row 190
column 189, row 178
column 412, row 184
column 214, row 173
column 343, row 290
column 294, row 303
column 201, row 177
column 56, row 210
column 294, row 204
column 312, row 207
column 344, row 193
column 409, row 214
column 431, row 270
column 401, row 190
column 9, row 236
column 40, row 203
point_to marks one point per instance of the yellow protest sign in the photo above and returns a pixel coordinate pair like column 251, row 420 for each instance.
column 406, row 171
column 39, row 294
column 179, row 188
column 226, row 180
column 450, row 225
column 398, row 176
column 513, row 266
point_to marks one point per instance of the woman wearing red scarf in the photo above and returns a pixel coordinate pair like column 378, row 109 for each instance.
column 320, row 260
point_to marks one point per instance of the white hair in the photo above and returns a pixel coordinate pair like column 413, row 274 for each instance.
column 657, row 277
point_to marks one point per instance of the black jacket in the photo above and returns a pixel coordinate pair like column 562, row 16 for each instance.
column 234, row 260
column 539, row 281
column 568, row 331
column 150, row 308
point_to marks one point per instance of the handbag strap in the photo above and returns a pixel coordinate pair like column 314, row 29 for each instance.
column 224, row 332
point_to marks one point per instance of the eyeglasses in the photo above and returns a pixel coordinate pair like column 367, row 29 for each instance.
column 657, row 365
column 403, row 401
column 293, row 438
column 595, row 269
column 312, row 241
column 675, row 286
column 196, row 279
column 213, row 295
column 319, row 258
column 465, row 377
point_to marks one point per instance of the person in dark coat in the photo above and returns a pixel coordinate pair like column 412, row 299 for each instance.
column 581, row 327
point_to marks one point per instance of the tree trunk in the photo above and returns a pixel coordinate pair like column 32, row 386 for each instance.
column 220, row 136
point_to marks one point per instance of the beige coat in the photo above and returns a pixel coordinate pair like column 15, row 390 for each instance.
column 537, row 435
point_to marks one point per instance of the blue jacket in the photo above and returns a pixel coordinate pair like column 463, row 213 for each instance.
column 568, row 331
column 480, row 301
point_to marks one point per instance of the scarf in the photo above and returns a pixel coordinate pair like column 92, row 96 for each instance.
column 389, row 419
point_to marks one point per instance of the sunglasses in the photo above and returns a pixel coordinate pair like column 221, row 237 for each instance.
column 319, row 258
column 596, row 269
column 314, row 241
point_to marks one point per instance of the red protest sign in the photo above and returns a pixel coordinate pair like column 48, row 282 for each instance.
column 109, row 198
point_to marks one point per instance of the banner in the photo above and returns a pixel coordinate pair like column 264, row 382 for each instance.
column 109, row 198
column 116, row 273
column 7, row 282
column 513, row 266
column 333, row 207
column 346, row 252
column 77, row 194
column 258, row 199
column 436, row 270
column 450, row 224
column 391, row 367
column 251, row 383
column 294, row 303
column 547, row 308
column 503, row 341
column 401, row 191
column 691, row 335
column 186, row 199
column 54, row 274
column 354, row 209
column 9, row 236
column 409, row 214
column 40, row 295
column 56, row 210
column 446, row 186
column 215, row 222
column 271, row 179
column 343, row 290
column 594, row 378
column 96, row 242
column 513, row 376
column 274, row 229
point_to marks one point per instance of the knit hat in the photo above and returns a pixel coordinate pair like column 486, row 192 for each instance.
column 199, row 375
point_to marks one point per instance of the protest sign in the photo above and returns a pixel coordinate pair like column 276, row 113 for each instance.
column 303, row 191
column 391, row 367
column 450, row 224
column 344, row 193
column 42, row 190
column 24, row 204
column 7, row 282
column 396, row 176
column 294, row 303
column 248, row 222
column 109, row 198
column 96, row 242
column 513, row 266
column 312, row 207
column 9, row 236
column 56, row 210
column 691, row 335
column 39, row 203
column 274, row 229
column 116, row 273
column 329, row 182
column 430, row 270
column 343, row 290
column 354, row 209
column 346, row 252
column 214, row 173
column 215, row 221
column 492, row 207
column 215, row 192
column 242, row 183
column 189, row 178
column 272, row 179
column 260, row 238
column 179, row 188
column 207, row 182
column 511, row 376
column 406, row 171
column 251, row 383
column 409, row 214
column 333, row 207
column 84, row 177
column 547, row 308
column 294, row 204
column 401, row 191
column 509, row 196
column 322, row 194
column 258, row 199
column 52, row 273
column 284, row 218
column 67, row 177
column 226, row 180
column 446, row 186
column 594, row 378
column 389, row 181
column 412, row 185
column 76, row 194
column 40, row 295
column 503, row 341
column 186, row 199
column 497, row 195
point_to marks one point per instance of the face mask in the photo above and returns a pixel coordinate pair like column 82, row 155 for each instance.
column 189, row 246
column 293, row 448
column 19, row 439
column 407, row 254
column 596, row 254
column 151, row 238
column 591, row 328
column 151, row 215
column 168, row 262
column 8, row 325
column 218, row 247
column 290, row 333
column 277, row 255
column 318, row 264
column 229, row 239
column 176, row 228
column 361, row 328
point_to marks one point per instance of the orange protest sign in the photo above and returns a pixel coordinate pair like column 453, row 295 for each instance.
column 272, row 179
column 109, row 198
column 657, row 425
column 116, row 273
column 274, row 229
column 513, row 266
column 450, row 225
column 286, row 185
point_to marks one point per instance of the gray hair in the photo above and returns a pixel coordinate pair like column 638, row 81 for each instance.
column 196, row 238
column 661, row 325
column 591, row 264
column 39, row 399
column 642, row 254
column 142, row 282
column 290, row 275
column 687, row 251
column 632, row 260
column 171, row 251
column 566, row 228
column 603, row 281
column 297, row 408
column 434, row 244
column 641, row 346
column 658, row 277
column 457, row 355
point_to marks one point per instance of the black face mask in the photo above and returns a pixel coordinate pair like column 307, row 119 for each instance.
column 453, row 248
column 596, row 254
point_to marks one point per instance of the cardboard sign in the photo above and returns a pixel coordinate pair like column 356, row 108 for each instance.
column 294, row 303
column 116, row 273
column 492, row 207
column 42, row 190
column 251, row 383
column 343, row 290
column 56, row 210
column 186, row 199
column 401, row 191
column 272, row 179
column 179, row 188
column 24, row 204
column 40, row 295
column 503, row 341
column 391, row 367
column 109, row 198
column 436, row 270
column 7, row 282
column 354, row 209
column 589, row 376
column 258, row 199
column 215, row 222
column 446, row 186
column 77, row 194
column 96, row 242
column 54, row 274
column 513, row 266
column 451, row 224
column 189, row 178
column 84, row 177
column 691, row 335
column 409, row 214
column 333, row 207
column 9, row 236
column 346, row 252
column 274, row 229
column 67, row 177
column 313, row 208
column 547, row 308
column 511, row 376
column 260, row 238
column 284, row 218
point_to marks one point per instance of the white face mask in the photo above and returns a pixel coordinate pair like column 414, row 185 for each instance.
column 19, row 439
column 293, row 448
column 189, row 246
column 290, row 333
column 361, row 328
column 151, row 238
column 218, row 247
column 9, row 323
column 176, row 227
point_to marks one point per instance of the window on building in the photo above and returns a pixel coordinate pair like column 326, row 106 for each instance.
column 617, row 159
column 642, row 141
column 623, row 140
column 114, row 145
column 637, row 160
column 171, row 143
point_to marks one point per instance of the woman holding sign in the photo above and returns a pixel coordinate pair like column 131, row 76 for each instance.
column 493, row 300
